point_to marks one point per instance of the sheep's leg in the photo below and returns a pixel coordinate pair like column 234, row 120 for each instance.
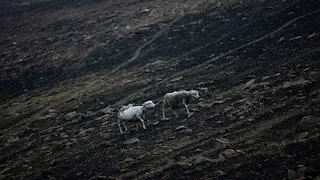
column 142, row 121
column 163, row 112
column 175, row 113
column 186, row 106
column 120, row 126
column 124, row 125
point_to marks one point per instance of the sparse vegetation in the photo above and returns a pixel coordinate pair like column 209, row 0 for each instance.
column 67, row 66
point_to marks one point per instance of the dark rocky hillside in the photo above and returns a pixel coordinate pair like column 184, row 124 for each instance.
column 68, row 66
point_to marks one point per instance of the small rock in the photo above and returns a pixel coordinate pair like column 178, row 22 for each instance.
column 225, row 20
column 186, row 131
column 106, row 143
column 292, row 174
column 264, row 84
column 158, row 79
column 106, row 110
column 229, row 57
column 223, row 140
column 144, row 29
column 265, row 78
column 227, row 109
column 145, row 10
column 105, row 135
column 104, row 177
column 302, row 171
column 218, row 102
column 199, row 159
column 89, row 114
column 131, row 141
column 181, row 127
column 214, row 116
column 70, row 142
column 128, row 27
column 251, row 120
column 232, row 118
column 280, row 40
column 218, row 173
column 249, row 84
column 273, row 146
column 83, row 132
column 312, row 35
column 52, row 111
column 302, row 136
column 221, row 158
column 300, row 82
column 70, row 115
column 64, row 135
column 5, row 170
column 129, row 159
column 183, row 158
column 86, row 37
column 250, row 141
column 228, row 153
column 12, row 139
column 141, row 156
column 204, row 89
column 308, row 122
column 199, row 150
column 295, row 38
column 176, row 79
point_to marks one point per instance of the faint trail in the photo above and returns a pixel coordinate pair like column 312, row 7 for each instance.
column 221, row 56
column 138, row 51
column 252, row 42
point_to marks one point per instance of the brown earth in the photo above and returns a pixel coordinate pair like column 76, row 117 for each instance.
column 67, row 66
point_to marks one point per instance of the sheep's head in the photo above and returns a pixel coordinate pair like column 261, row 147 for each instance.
column 148, row 104
column 194, row 94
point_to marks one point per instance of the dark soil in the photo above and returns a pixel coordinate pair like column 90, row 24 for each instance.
column 68, row 66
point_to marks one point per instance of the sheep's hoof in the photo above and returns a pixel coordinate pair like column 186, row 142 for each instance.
column 190, row 114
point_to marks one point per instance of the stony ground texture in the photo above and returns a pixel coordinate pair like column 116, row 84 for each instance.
column 67, row 66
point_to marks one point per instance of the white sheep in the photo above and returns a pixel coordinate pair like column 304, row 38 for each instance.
column 131, row 112
column 178, row 98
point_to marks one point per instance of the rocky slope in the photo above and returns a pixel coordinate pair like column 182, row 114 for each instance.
column 67, row 66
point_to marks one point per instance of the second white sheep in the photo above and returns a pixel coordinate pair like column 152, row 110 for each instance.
column 177, row 99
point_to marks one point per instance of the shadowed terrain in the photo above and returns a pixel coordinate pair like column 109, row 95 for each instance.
column 68, row 66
